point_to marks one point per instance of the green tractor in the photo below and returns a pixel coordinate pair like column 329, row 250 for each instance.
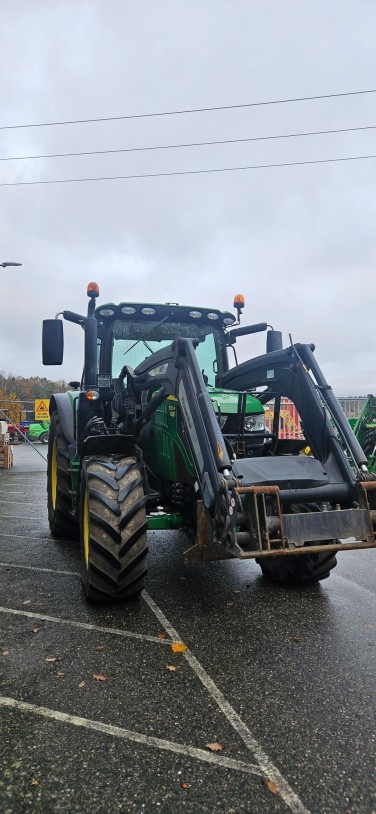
column 365, row 430
column 163, row 434
column 39, row 432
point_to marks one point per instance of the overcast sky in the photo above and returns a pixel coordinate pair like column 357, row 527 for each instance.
column 298, row 242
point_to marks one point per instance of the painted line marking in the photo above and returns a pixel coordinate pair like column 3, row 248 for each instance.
column 127, row 634
column 126, row 734
column 11, row 565
column 19, row 478
column 266, row 765
column 18, row 517
column 17, row 502
column 40, row 537
column 16, row 492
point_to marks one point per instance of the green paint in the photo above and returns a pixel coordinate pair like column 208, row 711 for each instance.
column 165, row 521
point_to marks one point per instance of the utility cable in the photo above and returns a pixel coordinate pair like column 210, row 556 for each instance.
column 189, row 110
column 188, row 144
column 187, row 172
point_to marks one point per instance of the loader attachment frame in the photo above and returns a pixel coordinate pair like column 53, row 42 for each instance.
column 250, row 504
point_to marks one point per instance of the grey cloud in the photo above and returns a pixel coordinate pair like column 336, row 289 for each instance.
column 298, row 242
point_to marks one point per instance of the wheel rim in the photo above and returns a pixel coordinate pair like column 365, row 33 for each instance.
column 85, row 530
column 54, row 476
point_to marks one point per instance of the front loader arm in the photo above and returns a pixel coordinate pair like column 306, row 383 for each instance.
column 182, row 378
column 295, row 374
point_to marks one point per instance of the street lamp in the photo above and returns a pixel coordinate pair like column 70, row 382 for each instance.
column 9, row 263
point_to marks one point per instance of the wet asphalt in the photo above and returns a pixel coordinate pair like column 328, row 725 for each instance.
column 284, row 680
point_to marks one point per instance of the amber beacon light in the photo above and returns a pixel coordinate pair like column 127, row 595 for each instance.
column 93, row 290
column 239, row 303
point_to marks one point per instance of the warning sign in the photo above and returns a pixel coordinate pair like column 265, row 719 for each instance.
column 42, row 409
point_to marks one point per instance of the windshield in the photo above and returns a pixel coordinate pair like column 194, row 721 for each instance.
column 134, row 341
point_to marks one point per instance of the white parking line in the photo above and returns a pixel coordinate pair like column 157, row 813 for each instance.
column 19, row 517
column 19, row 478
column 266, row 765
column 36, row 568
column 126, row 734
column 17, row 502
column 127, row 634
column 15, row 492
column 39, row 537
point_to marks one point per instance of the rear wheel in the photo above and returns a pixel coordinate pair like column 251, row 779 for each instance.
column 298, row 569
column 113, row 528
column 61, row 521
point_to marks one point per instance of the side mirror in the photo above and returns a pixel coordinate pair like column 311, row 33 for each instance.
column 248, row 329
column 52, row 342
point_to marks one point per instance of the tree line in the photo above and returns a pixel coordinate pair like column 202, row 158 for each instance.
column 15, row 389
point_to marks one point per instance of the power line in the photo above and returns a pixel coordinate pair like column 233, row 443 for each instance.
column 188, row 172
column 189, row 110
column 189, row 144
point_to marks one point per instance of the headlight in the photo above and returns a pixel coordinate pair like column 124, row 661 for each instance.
column 254, row 423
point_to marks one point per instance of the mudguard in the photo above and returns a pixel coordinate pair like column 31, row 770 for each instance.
column 64, row 404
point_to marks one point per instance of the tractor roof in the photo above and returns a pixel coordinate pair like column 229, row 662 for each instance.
column 154, row 312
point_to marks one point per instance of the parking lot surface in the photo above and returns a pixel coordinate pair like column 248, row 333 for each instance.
column 98, row 713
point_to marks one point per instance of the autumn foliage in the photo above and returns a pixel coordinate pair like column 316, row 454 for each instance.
column 16, row 389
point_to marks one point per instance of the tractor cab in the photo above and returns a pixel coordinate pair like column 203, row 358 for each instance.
column 129, row 336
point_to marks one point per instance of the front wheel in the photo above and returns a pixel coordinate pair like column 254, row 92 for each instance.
column 59, row 488
column 113, row 528
column 298, row 569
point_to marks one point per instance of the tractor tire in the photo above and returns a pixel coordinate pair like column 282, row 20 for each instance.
column 113, row 528
column 298, row 569
column 59, row 503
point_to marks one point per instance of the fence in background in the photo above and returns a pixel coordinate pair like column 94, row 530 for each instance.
column 289, row 420
column 352, row 406
column 29, row 452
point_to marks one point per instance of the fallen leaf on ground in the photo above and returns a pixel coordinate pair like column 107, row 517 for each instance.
column 369, row 627
column 82, row 684
column 296, row 639
column 230, row 603
column 98, row 677
column 27, row 602
column 272, row 786
column 5, row 653
column 214, row 747
column 59, row 674
column 35, row 629
column 185, row 786
column 162, row 635
column 51, row 659
column 99, row 648
column 179, row 647
column 170, row 667
column 236, row 592
column 34, row 783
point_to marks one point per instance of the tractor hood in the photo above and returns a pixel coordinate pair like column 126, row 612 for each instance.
column 227, row 401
